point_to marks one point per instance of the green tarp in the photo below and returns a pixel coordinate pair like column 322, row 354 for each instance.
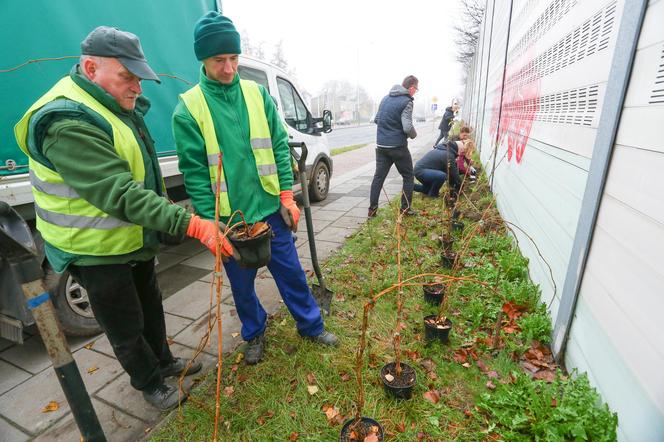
column 38, row 29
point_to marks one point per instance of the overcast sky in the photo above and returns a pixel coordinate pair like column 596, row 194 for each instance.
column 374, row 42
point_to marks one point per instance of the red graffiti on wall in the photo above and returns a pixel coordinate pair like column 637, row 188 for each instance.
column 521, row 101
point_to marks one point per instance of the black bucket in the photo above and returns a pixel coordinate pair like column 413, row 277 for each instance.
column 434, row 294
column 432, row 332
column 399, row 391
column 254, row 252
column 366, row 423
column 447, row 259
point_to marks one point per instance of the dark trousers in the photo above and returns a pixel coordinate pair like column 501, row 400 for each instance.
column 432, row 180
column 291, row 281
column 385, row 157
column 126, row 301
column 442, row 136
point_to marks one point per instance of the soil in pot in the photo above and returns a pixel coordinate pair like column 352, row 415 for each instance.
column 447, row 259
column 434, row 294
column 398, row 386
column 253, row 244
column 435, row 330
column 357, row 432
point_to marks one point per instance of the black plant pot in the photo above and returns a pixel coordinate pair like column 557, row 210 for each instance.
column 434, row 294
column 401, row 387
column 254, row 252
column 458, row 226
column 366, row 424
column 447, row 259
column 436, row 332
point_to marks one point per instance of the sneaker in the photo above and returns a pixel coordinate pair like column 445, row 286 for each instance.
column 165, row 397
column 253, row 354
column 179, row 365
column 372, row 212
column 325, row 338
column 408, row 212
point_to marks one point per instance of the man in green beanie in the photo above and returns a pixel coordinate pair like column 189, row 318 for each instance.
column 238, row 118
column 100, row 202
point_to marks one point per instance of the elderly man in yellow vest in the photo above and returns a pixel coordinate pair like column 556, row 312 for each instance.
column 100, row 203
column 238, row 118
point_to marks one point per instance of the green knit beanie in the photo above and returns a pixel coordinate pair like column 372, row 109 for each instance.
column 215, row 34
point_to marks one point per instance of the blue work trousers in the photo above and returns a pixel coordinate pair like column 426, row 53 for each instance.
column 432, row 180
column 290, row 279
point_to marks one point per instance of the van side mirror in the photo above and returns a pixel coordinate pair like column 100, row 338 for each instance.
column 325, row 120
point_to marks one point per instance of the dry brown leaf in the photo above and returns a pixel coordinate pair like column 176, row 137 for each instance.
column 466, row 365
column 235, row 334
column 428, row 364
column 51, row 406
column 389, row 377
column 228, row 391
column 92, row 369
column 312, row 389
column 371, row 437
column 401, row 427
column 311, row 379
column 482, row 366
column 432, row 396
column 490, row 385
column 239, row 358
column 460, row 356
column 170, row 341
column 331, row 413
column 345, row 377
column 492, row 374
column 545, row 375
column 242, row 377
column 294, row 436
column 530, row 367
column 89, row 346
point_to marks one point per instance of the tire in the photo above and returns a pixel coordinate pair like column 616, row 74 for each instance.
column 71, row 304
column 319, row 183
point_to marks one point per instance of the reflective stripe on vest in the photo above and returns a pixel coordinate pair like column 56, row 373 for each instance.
column 65, row 220
column 259, row 137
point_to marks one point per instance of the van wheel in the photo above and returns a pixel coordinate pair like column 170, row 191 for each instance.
column 319, row 184
column 71, row 304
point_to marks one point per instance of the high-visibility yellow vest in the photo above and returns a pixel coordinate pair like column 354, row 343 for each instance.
column 259, row 137
column 65, row 220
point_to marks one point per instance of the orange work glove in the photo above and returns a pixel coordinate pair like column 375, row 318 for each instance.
column 205, row 231
column 289, row 211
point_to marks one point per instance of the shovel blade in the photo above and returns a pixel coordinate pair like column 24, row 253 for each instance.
column 323, row 297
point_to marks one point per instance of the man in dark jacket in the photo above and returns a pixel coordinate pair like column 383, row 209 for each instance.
column 395, row 125
column 446, row 123
column 435, row 167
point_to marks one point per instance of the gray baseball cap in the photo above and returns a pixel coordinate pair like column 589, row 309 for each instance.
column 105, row 41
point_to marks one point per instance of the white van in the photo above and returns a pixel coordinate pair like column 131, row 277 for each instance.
column 300, row 124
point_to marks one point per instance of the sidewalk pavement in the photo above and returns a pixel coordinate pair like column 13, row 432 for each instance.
column 28, row 383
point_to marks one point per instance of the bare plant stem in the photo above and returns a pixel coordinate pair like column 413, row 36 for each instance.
column 217, row 270
column 397, row 330
column 496, row 332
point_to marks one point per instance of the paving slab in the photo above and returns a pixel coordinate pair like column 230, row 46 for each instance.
column 345, row 203
column 5, row 344
column 117, row 426
column 175, row 324
column 11, row 376
column 354, row 222
column 333, row 234
column 230, row 324
column 192, row 301
column 24, row 403
column 323, row 249
column 189, row 247
column 319, row 225
column 32, row 355
column 178, row 277
column 167, row 260
column 204, row 260
column 10, row 433
column 326, row 215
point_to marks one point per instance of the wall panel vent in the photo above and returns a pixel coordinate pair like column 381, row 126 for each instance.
column 657, row 95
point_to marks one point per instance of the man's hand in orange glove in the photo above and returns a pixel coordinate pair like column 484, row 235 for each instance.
column 289, row 211
column 205, row 231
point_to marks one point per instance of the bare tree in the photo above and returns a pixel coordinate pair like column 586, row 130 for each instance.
column 467, row 32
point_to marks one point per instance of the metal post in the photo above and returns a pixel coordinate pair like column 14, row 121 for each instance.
column 502, row 94
column 621, row 69
column 17, row 248
column 479, row 74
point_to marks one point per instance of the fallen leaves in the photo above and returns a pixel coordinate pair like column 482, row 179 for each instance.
column 333, row 415
column 345, row 376
column 538, row 362
column 312, row 389
column 389, row 377
column 92, row 369
column 228, row 391
column 294, row 436
column 51, row 406
column 432, row 396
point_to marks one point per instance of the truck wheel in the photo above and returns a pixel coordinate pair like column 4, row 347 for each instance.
column 71, row 304
column 319, row 184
